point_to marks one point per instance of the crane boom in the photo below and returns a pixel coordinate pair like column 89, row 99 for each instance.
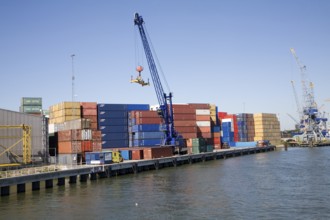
column 164, row 100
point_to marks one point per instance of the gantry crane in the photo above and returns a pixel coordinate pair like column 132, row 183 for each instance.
column 172, row 138
column 25, row 139
column 311, row 123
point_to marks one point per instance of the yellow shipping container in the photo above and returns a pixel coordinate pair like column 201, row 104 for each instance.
column 62, row 119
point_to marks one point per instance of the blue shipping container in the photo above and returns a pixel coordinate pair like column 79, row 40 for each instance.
column 112, row 107
column 114, row 136
column 112, row 114
column 126, row 154
column 113, row 122
column 138, row 107
column 98, row 157
column 145, row 127
column 114, row 143
column 149, row 135
column 113, row 129
column 147, row 142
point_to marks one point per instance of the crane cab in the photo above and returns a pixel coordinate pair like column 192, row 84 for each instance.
column 139, row 78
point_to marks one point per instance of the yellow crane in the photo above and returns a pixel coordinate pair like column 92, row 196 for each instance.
column 25, row 139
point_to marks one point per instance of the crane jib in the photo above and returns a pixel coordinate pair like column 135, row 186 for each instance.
column 164, row 100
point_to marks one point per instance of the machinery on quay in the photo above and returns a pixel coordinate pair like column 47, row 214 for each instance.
column 312, row 124
column 165, row 110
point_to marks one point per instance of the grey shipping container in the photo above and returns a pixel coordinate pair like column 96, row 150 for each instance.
column 39, row 147
column 31, row 101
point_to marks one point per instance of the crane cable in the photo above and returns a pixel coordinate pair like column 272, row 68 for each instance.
column 157, row 61
column 139, row 61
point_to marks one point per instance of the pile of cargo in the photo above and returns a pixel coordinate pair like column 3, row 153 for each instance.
column 267, row 127
column 72, row 131
column 113, row 122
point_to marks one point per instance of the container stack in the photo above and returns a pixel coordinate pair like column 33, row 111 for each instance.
column 185, row 120
column 89, row 111
column 72, row 135
column 198, row 145
column 147, row 135
column 242, row 127
column 215, row 140
column 64, row 111
column 267, row 127
column 31, row 105
column 145, row 129
column 250, row 127
column 227, row 132
column 113, row 123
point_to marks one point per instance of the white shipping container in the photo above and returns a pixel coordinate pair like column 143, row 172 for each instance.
column 202, row 111
column 86, row 134
column 203, row 123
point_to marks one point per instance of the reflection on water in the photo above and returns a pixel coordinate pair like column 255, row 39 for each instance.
column 292, row 184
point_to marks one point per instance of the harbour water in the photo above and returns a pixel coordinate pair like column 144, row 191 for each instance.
column 292, row 184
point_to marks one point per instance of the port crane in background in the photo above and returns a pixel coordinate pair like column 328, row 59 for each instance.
column 165, row 110
column 312, row 124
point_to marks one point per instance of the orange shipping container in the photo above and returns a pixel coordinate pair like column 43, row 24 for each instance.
column 181, row 117
column 188, row 135
column 86, row 146
column 96, row 145
column 204, row 134
column 203, row 118
column 186, row 129
column 137, row 154
column 204, row 129
column 199, row 105
column 148, row 121
column 185, row 123
column 86, row 111
column 90, row 105
column 69, row 147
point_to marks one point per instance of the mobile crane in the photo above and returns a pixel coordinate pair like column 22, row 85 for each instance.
column 165, row 111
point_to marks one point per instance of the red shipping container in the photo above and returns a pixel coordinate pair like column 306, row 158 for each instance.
column 89, row 105
column 87, row 111
column 203, row 129
column 93, row 118
column 188, row 135
column 181, row 117
column 204, row 134
column 86, row 146
column 185, row 123
column 199, row 105
column 186, row 129
column 185, row 110
column 157, row 152
column 137, row 154
column 96, row 146
column 97, row 135
column 69, row 147
column 139, row 121
column 68, row 135
column 203, row 118
column 222, row 115
column 145, row 114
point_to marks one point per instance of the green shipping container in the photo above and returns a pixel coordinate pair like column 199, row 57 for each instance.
column 31, row 101
column 198, row 142
column 209, row 148
column 198, row 149
column 30, row 109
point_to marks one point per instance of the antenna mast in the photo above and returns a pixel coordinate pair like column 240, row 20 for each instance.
column 72, row 56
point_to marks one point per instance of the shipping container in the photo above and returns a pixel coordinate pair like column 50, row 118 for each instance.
column 98, row 158
column 38, row 134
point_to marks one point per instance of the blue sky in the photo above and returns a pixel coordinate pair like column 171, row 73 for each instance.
column 233, row 53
